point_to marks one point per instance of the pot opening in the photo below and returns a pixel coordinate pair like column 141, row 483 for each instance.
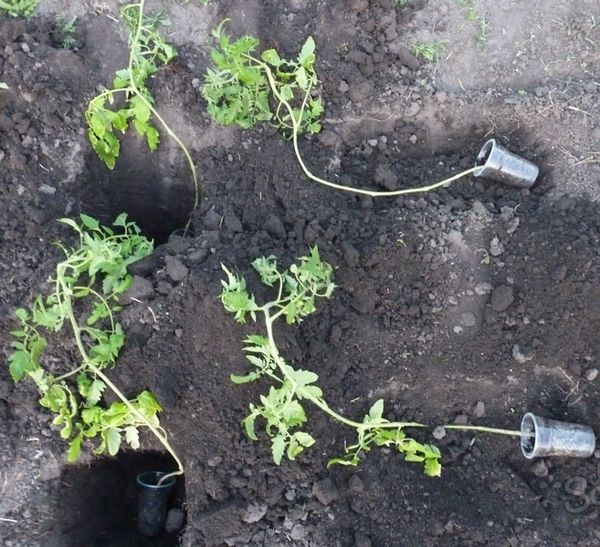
column 485, row 152
column 528, row 435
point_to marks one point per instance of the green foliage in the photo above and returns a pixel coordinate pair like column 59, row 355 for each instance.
column 147, row 49
column 473, row 16
column 281, row 409
column 68, row 29
column 92, row 276
column 18, row 8
column 430, row 51
column 243, row 89
column 396, row 438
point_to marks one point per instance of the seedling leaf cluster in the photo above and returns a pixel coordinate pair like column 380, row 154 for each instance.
column 83, row 299
column 244, row 89
column 18, row 8
column 281, row 409
column 147, row 49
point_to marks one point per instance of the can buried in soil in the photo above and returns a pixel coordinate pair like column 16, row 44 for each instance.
column 153, row 502
column 496, row 162
column 544, row 437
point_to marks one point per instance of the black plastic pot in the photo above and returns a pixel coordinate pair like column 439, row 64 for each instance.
column 153, row 502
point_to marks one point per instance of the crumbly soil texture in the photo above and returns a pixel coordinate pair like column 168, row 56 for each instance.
column 472, row 304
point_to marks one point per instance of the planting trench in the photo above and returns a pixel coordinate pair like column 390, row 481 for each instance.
column 474, row 303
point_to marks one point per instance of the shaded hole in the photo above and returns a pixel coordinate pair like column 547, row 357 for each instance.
column 99, row 502
column 157, row 195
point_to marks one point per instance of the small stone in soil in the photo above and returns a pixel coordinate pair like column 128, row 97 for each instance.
column 299, row 531
column 468, row 319
column 361, row 540
column 355, row 484
column 439, row 433
column 254, row 512
column 175, row 269
column 479, row 409
column 502, row 297
column 521, row 355
column 591, row 374
column 140, row 289
column 175, row 518
column 540, row 469
column 461, row 419
column 363, row 302
column 325, row 491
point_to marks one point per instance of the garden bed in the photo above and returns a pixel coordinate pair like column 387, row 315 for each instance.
column 471, row 304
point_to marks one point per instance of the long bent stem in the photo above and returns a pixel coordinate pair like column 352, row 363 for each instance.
column 296, row 119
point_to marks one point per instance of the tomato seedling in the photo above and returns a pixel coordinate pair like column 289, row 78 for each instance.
column 244, row 89
column 281, row 408
column 84, row 298
column 147, row 48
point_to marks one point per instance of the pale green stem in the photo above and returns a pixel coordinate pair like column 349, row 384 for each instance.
column 483, row 429
column 310, row 175
column 320, row 403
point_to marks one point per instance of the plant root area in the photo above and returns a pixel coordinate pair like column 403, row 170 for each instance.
column 472, row 304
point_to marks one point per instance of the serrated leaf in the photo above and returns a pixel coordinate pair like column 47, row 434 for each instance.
column 278, row 448
column 433, row 468
column 22, row 314
column 271, row 57
column 132, row 437
column 307, row 57
column 90, row 222
column 94, row 393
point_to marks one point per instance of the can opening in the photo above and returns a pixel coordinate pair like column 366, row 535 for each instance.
column 483, row 156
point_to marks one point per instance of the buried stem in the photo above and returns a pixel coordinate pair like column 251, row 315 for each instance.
column 296, row 120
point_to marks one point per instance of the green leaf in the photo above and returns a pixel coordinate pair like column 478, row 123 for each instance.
column 244, row 379
column 271, row 57
column 19, row 364
column 22, row 314
column 113, row 440
column 307, row 53
column 433, row 468
column 376, row 411
column 90, row 222
column 277, row 448
column 148, row 402
column 94, row 392
column 74, row 449
column 303, row 377
column 249, row 426
column 132, row 437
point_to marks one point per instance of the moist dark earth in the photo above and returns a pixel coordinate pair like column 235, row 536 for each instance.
column 472, row 304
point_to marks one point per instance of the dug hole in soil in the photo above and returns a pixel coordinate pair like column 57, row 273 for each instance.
column 471, row 304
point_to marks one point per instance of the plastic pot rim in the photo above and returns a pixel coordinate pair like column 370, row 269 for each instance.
column 156, row 475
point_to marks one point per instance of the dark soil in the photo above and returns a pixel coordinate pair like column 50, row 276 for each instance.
column 471, row 304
